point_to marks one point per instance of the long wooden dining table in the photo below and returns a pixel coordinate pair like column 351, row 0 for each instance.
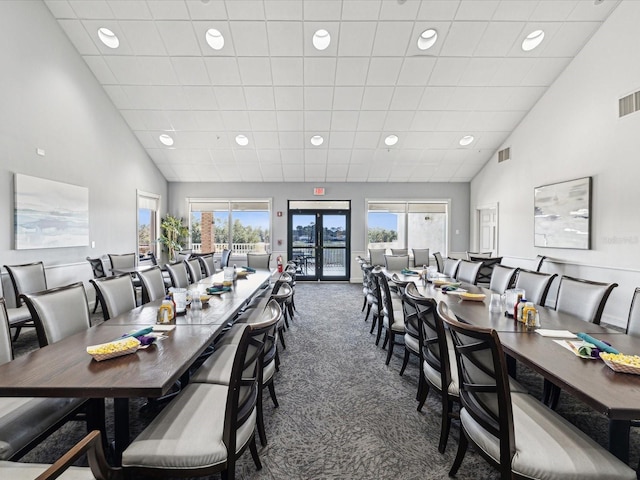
column 615, row 395
column 64, row 369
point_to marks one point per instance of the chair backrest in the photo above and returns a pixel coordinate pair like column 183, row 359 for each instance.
column 502, row 278
column 583, row 298
column 97, row 266
column 536, row 285
column 258, row 260
column 178, row 274
column 399, row 285
column 125, row 260
column 116, row 294
column 633, row 322
column 376, row 256
column 152, row 258
column 399, row 251
column 483, row 380
column 226, row 256
column 484, row 275
column 59, row 312
column 410, row 309
column 27, row 278
column 152, row 284
column 385, row 300
column 468, row 271
column 395, row 263
column 439, row 261
column 451, row 267
column 182, row 256
column 472, row 255
column 420, row 257
column 207, row 263
column 6, row 347
column 537, row 263
column 268, row 320
column 195, row 269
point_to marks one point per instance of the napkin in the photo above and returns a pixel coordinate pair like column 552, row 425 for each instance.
column 250, row 269
column 139, row 333
column 589, row 350
column 601, row 345
column 218, row 289
column 406, row 271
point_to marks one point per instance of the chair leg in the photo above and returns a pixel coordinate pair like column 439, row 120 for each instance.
column 445, row 426
column 286, row 316
column 374, row 322
column 290, row 308
column 423, row 392
column 463, row 444
column 555, row 397
column 15, row 337
column 95, row 306
column 368, row 310
column 391, row 336
column 405, row 360
column 364, row 304
column 272, row 392
column 379, row 334
column 550, row 394
column 254, row 453
column 277, row 361
column 260, row 420
column 282, row 338
column 386, row 339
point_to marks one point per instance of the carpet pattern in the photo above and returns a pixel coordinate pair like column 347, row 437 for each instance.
column 343, row 414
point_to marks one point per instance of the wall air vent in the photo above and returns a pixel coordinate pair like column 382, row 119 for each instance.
column 629, row 104
column 504, row 154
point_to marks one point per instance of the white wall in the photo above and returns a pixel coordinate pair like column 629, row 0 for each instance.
column 358, row 193
column 49, row 99
column 574, row 131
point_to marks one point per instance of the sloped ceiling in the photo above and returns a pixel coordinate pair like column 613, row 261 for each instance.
column 271, row 85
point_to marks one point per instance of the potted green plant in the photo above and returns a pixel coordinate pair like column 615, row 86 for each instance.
column 174, row 232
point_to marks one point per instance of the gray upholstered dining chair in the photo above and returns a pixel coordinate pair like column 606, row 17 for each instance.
column 468, row 271
column 182, row 256
column 583, row 298
column 24, row 421
column 376, row 256
column 58, row 312
column 178, row 274
column 633, row 321
column 399, row 251
column 439, row 261
column 207, row 263
column 98, row 272
column 194, row 268
column 396, row 263
column 502, row 278
column 450, row 268
column 225, row 258
column 116, row 294
column 420, row 257
column 258, row 260
column 153, row 286
column 392, row 315
column 536, row 285
column 537, row 263
column 207, row 427
column 124, row 260
column 516, row 433
column 25, row 278
column 411, row 324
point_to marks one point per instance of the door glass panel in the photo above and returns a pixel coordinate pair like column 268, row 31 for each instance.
column 334, row 243
column 303, row 234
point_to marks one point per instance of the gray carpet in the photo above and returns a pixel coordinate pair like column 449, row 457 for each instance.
column 344, row 414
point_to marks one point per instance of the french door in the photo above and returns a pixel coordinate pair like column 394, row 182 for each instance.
column 319, row 241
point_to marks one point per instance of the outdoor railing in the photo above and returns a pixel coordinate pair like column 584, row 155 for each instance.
column 238, row 248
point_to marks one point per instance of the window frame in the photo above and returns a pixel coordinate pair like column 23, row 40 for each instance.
column 154, row 230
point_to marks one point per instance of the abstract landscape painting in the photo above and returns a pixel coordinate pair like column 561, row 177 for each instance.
column 50, row 214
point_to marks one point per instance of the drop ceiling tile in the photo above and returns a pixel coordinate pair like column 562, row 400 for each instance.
column 310, row 28
column 347, row 98
column 491, row 141
column 260, row 98
column 223, row 70
column 416, row 70
column 130, row 9
column 155, row 120
column 283, row 10
column 263, row 120
column 351, row 71
column 92, row 27
column 476, row 9
column 95, row 9
column 432, row 157
column 480, row 71
column 268, row 140
column 523, row 98
column 409, row 156
column 270, row 156
column 168, row 9
column 291, row 140
column 290, row 121
column 442, row 29
column 246, row 157
column 505, row 121
column 143, row 36
column 466, row 98
column 557, row 11
column 200, row 28
column 417, row 140
column 545, row 71
column 356, row 39
column 498, row 39
column 377, row 98
column 292, row 156
column 371, row 120
column 181, row 120
column 515, row 10
column 208, row 120
column 179, row 38
column 362, row 156
column 250, row 38
column 477, row 121
column 399, row 10
column 199, row 10
column 199, row 98
column 245, row 10
column 360, row 10
column 550, row 30
column 222, row 157
column 79, row 37
column 60, row 8
column 230, row 98
column 406, row 98
column 127, row 70
column 392, row 38
column 448, row 71
column 134, row 119
column 438, row 10
column 569, row 39
column 513, row 71
column 462, row 39
column 157, row 70
column 398, row 121
column 287, row 71
column 318, row 98
column 425, row 121
column 317, row 156
column 255, row 70
column 236, row 121
column 139, row 98
column 292, row 170
column 317, row 120
column 341, row 140
column 148, row 139
column 588, row 11
column 452, row 121
column 100, row 69
column 319, row 71
column 366, row 140
column 288, row 98
column 436, row 98
column 190, row 70
column 493, row 98
column 285, row 38
column 322, row 10
column 344, row 120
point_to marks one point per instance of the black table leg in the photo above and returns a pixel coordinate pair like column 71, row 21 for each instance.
column 619, row 439
column 96, row 418
column 121, row 427
column 512, row 367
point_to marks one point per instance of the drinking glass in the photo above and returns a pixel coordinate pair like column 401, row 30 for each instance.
column 496, row 303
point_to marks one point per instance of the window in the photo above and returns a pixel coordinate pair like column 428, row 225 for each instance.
column 408, row 225
column 148, row 211
column 239, row 225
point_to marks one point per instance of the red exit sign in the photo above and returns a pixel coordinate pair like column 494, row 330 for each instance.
column 318, row 191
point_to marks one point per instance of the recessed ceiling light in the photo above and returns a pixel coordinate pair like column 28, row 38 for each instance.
column 427, row 39
column 533, row 40
column 242, row 140
column 321, row 39
column 391, row 140
column 107, row 37
column 215, row 39
column 166, row 140
column 317, row 140
column 466, row 140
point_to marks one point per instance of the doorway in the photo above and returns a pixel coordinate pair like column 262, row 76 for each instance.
column 488, row 229
column 320, row 239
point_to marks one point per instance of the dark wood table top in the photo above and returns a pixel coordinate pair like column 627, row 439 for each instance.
column 135, row 269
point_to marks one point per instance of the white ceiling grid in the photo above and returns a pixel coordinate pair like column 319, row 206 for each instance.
column 270, row 84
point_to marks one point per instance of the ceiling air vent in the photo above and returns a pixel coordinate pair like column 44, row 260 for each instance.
column 629, row 104
column 504, row 154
